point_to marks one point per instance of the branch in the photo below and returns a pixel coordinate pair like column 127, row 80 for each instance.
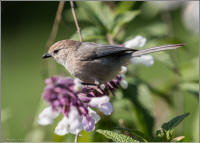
column 48, row 66
column 55, row 24
column 76, row 21
column 76, row 138
column 110, row 39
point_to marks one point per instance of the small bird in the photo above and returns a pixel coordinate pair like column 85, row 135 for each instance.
column 96, row 63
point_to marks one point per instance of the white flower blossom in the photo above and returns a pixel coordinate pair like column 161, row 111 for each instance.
column 47, row 116
column 75, row 123
column 63, row 127
column 96, row 82
column 77, row 85
column 102, row 86
column 71, row 124
column 136, row 42
column 147, row 60
column 106, row 108
column 123, row 83
column 88, row 124
column 94, row 115
column 123, row 70
column 102, row 103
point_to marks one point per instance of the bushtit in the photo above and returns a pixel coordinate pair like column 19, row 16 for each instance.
column 96, row 63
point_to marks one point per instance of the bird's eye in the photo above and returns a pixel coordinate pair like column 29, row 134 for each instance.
column 55, row 52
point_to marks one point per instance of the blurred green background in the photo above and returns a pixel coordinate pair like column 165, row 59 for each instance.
column 155, row 94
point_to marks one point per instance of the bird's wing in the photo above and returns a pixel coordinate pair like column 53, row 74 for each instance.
column 91, row 51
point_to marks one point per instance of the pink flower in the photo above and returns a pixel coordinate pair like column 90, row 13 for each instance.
column 75, row 100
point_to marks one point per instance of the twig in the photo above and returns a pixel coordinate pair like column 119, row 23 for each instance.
column 56, row 24
column 110, row 39
column 76, row 138
column 76, row 21
column 121, row 123
column 47, row 67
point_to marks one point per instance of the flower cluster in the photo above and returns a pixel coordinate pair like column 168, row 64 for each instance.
column 77, row 101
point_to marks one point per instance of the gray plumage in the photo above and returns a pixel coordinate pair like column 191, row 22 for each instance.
column 92, row 62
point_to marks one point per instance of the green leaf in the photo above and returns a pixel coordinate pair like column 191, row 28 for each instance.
column 158, row 92
column 122, row 19
column 161, row 136
column 190, row 87
column 156, row 29
column 89, row 34
column 164, row 57
column 150, row 10
column 135, row 134
column 144, row 119
column 174, row 122
column 97, row 13
column 125, row 111
column 160, row 133
column 167, row 129
column 145, row 98
column 124, row 6
column 117, row 137
column 191, row 66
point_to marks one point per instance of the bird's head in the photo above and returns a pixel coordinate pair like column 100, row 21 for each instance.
column 61, row 50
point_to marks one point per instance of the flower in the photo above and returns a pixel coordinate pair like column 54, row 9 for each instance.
column 78, row 86
column 71, row 124
column 123, row 70
column 63, row 127
column 124, row 83
column 88, row 124
column 138, row 41
column 147, row 60
column 94, row 115
column 102, row 103
column 47, row 116
column 75, row 101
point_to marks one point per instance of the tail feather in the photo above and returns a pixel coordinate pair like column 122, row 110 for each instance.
column 156, row 49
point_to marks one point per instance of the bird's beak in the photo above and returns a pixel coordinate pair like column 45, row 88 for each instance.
column 46, row 56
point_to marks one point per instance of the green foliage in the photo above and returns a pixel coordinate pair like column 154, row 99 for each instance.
column 122, row 19
column 169, row 126
column 116, row 136
column 105, row 21
column 166, row 133
column 167, row 129
column 135, row 134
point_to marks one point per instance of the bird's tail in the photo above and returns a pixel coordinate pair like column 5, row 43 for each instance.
column 156, row 49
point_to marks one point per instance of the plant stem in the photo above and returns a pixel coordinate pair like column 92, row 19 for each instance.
column 48, row 67
column 76, row 138
column 56, row 24
column 76, row 21
column 110, row 39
